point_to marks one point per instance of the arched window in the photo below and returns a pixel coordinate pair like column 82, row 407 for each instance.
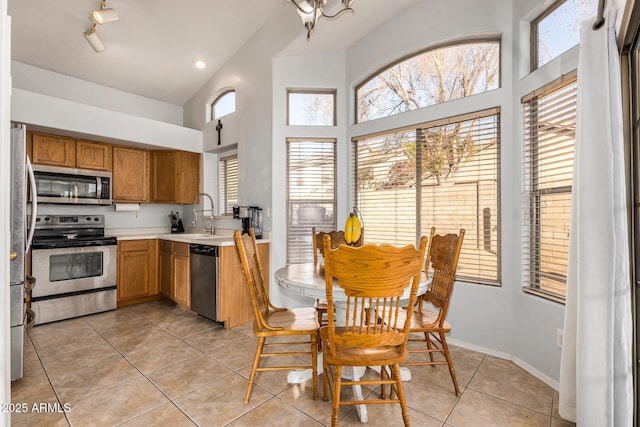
column 223, row 105
column 431, row 77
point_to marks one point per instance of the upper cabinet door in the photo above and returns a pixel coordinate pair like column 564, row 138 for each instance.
column 53, row 150
column 93, row 155
column 175, row 176
column 130, row 175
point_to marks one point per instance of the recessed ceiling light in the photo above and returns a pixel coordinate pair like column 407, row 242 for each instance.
column 200, row 63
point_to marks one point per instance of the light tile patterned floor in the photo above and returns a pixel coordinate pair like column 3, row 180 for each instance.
column 155, row 364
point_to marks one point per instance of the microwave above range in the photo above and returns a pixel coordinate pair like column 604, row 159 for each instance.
column 72, row 186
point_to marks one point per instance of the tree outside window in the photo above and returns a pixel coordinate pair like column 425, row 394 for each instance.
column 432, row 77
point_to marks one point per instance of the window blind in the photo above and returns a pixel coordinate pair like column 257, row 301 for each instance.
column 311, row 195
column 228, row 182
column 443, row 174
column 549, row 128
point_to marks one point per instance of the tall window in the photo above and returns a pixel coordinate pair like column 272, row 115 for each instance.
column 228, row 180
column 443, row 174
column 223, row 105
column 549, row 126
column 311, row 195
column 311, row 108
column 557, row 29
column 432, row 77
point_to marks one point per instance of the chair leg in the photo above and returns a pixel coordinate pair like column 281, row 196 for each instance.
column 400, row 393
column 254, row 367
column 325, row 379
column 427, row 338
column 335, row 405
column 452, row 371
column 314, row 363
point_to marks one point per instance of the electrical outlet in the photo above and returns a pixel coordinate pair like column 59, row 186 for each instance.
column 559, row 337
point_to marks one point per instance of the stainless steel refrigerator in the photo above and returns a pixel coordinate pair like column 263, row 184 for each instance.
column 21, row 237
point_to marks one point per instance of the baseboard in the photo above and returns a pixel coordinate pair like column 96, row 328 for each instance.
column 502, row 355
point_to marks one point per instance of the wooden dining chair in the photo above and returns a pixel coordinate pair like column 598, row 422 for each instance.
column 337, row 239
column 271, row 321
column 442, row 257
column 374, row 279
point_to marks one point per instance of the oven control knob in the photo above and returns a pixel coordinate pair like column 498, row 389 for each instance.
column 96, row 219
column 38, row 219
column 88, row 218
column 47, row 218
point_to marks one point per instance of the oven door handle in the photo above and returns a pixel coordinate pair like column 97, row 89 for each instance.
column 31, row 318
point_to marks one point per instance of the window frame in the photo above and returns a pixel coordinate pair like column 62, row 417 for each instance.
column 289, row 201
column 533, row 193
column 488, row 39
column 215, row 101
column 419, row 202
column 534, row 35
column 332, row 92
column 223, row 180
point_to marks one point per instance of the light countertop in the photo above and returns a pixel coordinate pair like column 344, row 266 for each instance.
column 222, row 239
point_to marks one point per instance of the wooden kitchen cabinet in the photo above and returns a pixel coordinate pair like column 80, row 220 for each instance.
column 173, row 271
column 165, row 264
column 93, row 155
column 181, row 274
column 234, row 304
column 130, row 175
column 53, row 150
column 175, row 176
column 137, row 273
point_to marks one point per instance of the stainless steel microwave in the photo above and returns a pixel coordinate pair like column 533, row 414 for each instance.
column 72, row 186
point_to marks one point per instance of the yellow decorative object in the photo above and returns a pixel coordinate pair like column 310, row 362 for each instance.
column 352, row 229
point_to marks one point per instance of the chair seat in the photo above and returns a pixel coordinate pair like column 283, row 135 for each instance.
column 294, row 320
column 361, row 356
column 321, row 304
column 425, row 319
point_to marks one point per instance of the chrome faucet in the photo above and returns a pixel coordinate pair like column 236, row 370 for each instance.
column 204, row 217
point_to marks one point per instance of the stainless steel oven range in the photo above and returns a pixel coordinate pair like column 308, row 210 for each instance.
column 75, row 264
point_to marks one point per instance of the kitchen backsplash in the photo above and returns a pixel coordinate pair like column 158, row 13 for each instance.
column 150, row 216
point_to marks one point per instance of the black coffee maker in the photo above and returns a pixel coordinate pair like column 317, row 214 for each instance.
column 251, row 216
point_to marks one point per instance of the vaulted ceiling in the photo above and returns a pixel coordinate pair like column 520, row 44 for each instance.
column 149, row 51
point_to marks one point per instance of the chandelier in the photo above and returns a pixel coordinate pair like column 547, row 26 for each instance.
column 311, row 10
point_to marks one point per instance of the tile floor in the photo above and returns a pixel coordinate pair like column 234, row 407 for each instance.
column 155, row 364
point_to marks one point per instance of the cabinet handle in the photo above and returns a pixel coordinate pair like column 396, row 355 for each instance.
column 13, row 255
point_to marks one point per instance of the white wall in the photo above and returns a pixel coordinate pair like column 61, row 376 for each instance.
column 249, row 73
column 34, row 79
column 322, row 71
column 60, row 116
column 59, row 104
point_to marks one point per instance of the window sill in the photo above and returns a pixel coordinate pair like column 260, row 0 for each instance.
column 545, row 295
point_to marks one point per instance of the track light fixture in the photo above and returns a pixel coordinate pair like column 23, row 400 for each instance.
column 93, row 39
column 101, row 16
column 104, row 15
column 311, row 10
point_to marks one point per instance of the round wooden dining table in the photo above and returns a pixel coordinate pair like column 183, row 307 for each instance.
column 308, row 279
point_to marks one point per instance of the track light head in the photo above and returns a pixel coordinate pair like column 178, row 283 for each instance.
column 92, row 38
column 104, row 16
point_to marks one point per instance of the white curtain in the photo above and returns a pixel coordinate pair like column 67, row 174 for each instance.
column 596, row 382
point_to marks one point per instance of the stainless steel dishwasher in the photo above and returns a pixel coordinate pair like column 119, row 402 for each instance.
column 204, row 280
